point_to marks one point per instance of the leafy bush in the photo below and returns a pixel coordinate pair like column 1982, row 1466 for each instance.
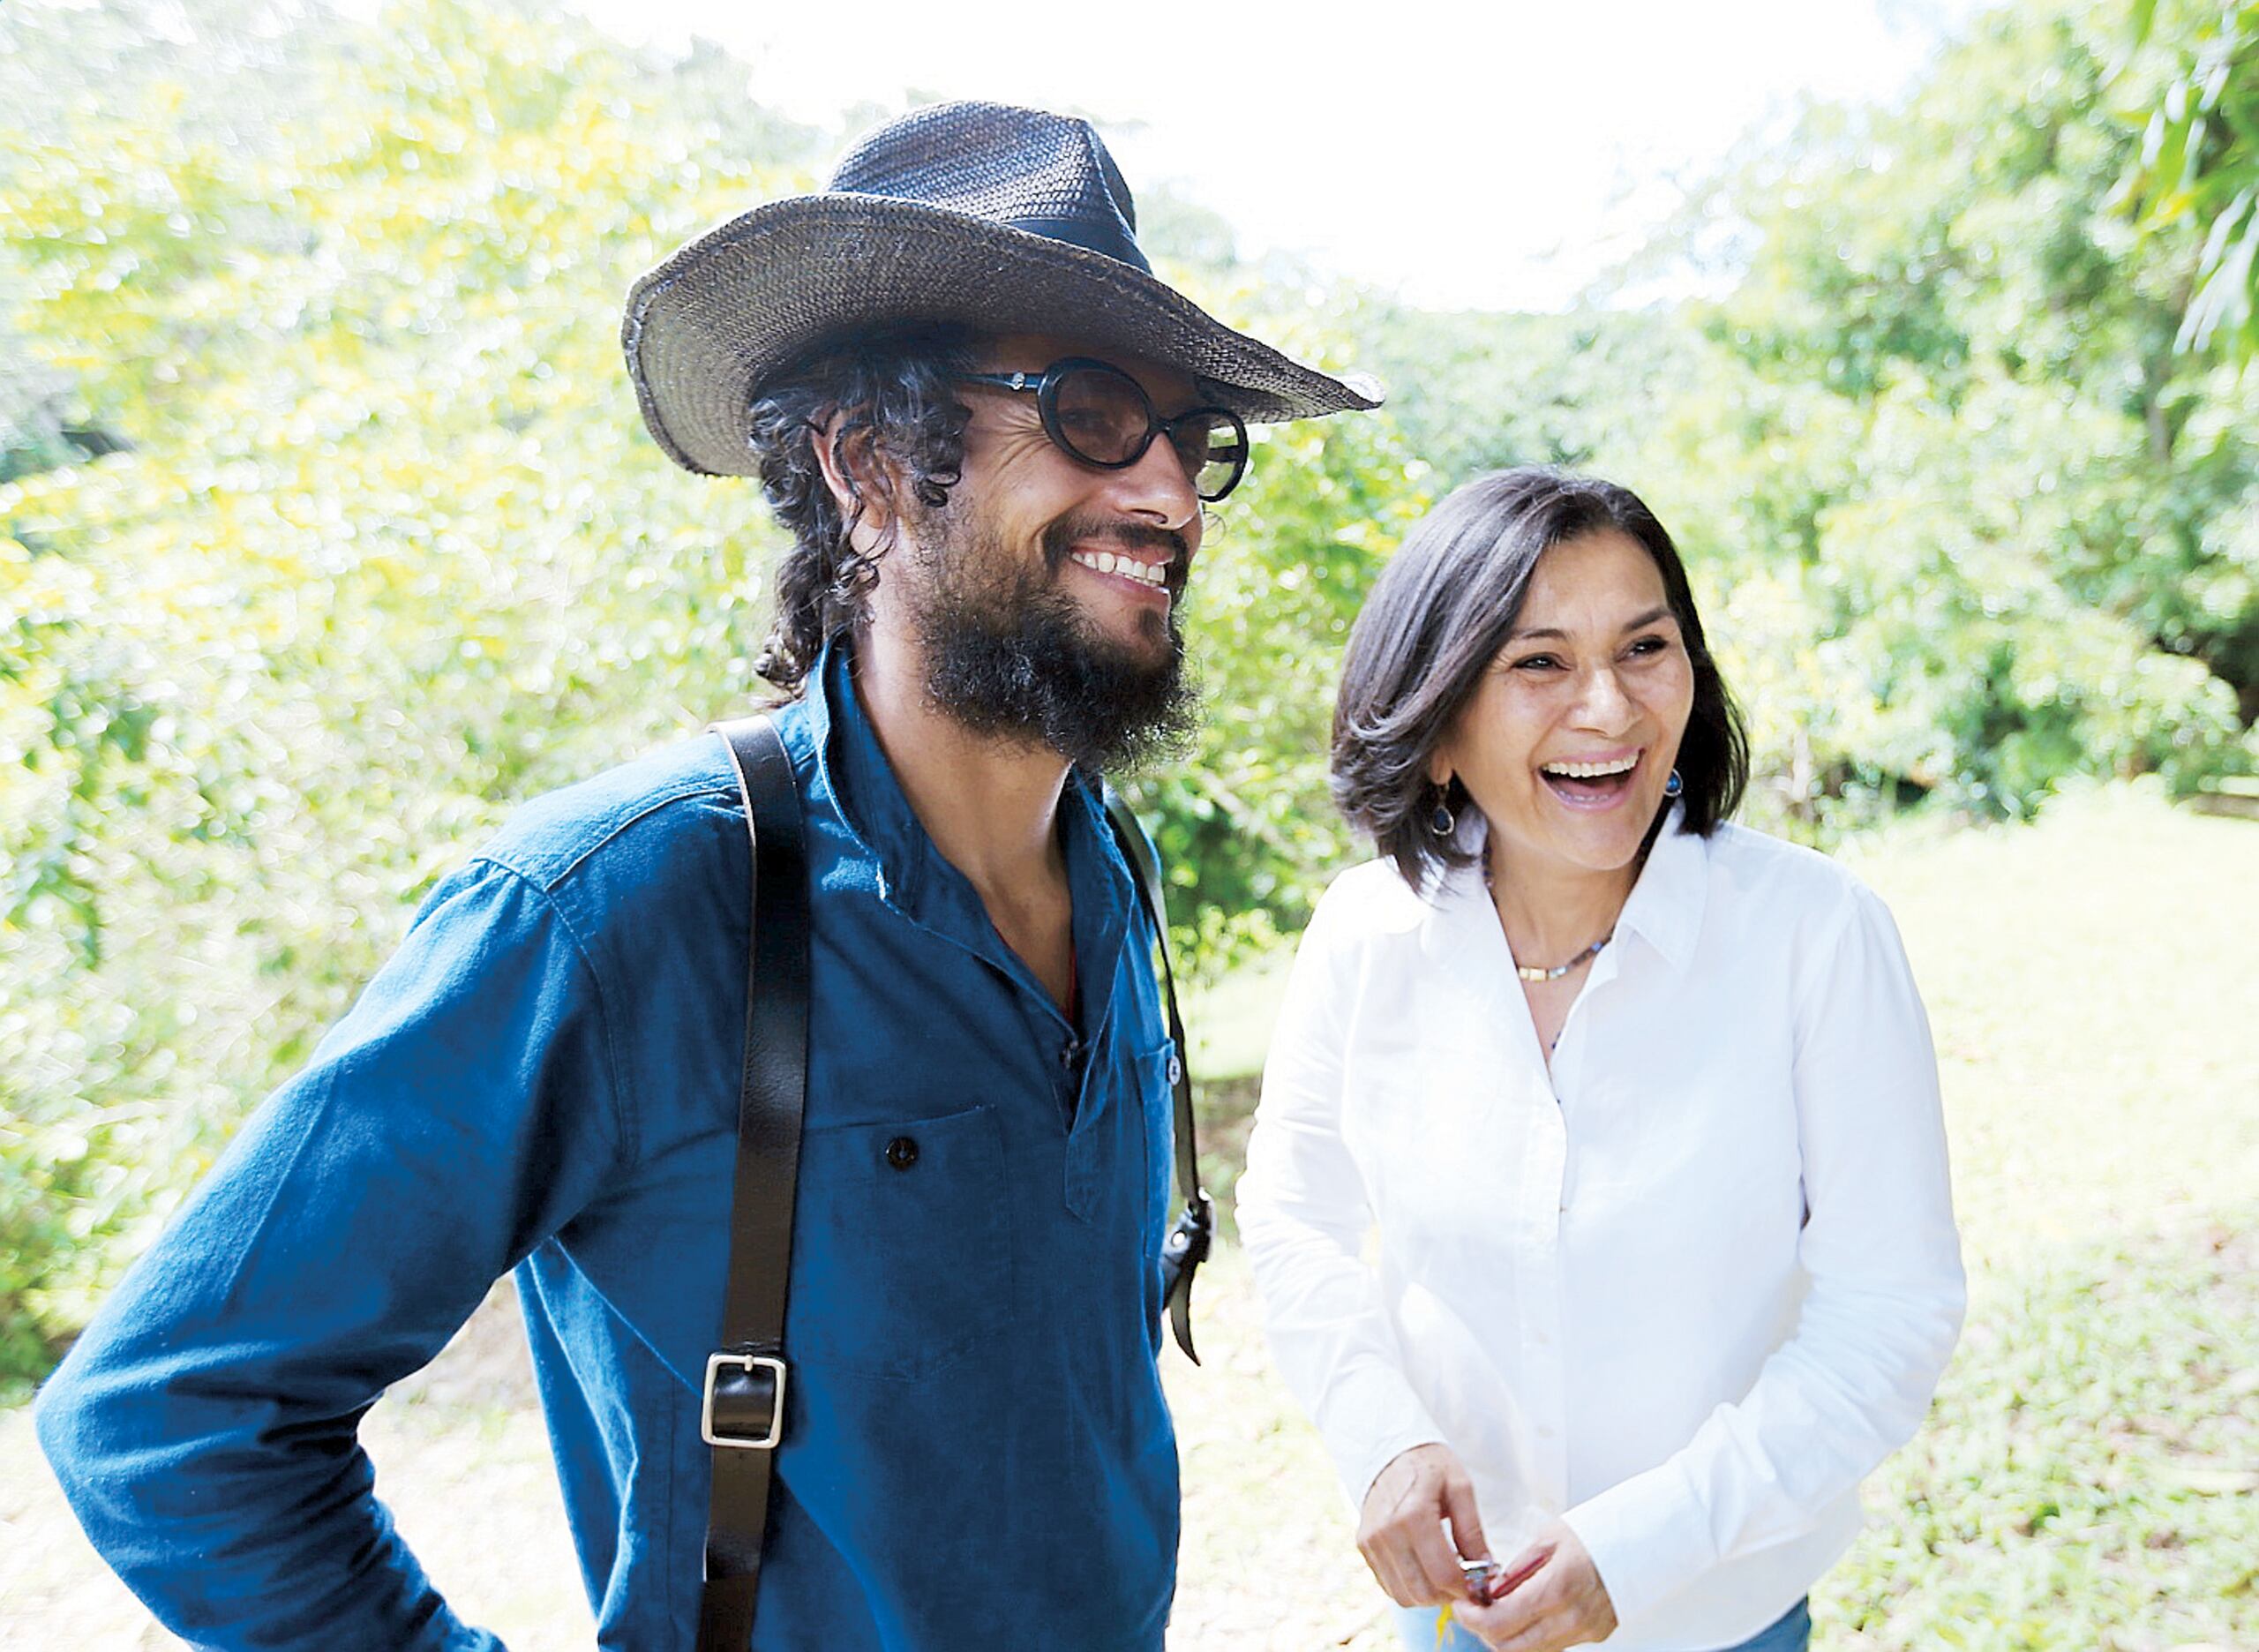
column 328, row 531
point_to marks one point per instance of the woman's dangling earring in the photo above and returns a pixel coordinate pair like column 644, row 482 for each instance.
column 1441, row 821
column 1673, row 786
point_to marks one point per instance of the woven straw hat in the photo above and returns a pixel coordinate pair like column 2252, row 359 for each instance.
column 1006, row 219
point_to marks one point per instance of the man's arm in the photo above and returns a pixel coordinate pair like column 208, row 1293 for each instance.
column 204, row 1428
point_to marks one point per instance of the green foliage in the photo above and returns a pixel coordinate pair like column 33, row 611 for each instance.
column 1962, row 521
column 381, row 550
column 1246, row 827
column 328, row 531
column 2199, row 165
column 2019, row 465
column 2086, row 1464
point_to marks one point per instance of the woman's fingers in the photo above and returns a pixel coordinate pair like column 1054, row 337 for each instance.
column 1401, row 1530
column 1387, row 1557
column 1383, row 1527
column 1442, row 1577
column 1465, row 1521
column 1564, row 1603
column 1410, row 1574
column 1530, row 1619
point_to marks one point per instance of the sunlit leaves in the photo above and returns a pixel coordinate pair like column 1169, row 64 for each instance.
column 2199, row 165
column 383, row 550
column 1969, row 524
column 328, row 530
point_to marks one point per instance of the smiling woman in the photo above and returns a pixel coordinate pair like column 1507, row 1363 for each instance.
column 1642, row 1105
column 1509, row 561
column 1566, row 741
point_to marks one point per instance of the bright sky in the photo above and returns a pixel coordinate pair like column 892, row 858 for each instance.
column 1496, row 156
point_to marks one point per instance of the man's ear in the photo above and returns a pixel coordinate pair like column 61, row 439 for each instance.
column 864, row 500
column 823, row 438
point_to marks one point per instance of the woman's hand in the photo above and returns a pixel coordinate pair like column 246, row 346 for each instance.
column 1401, row 1531
column 1563, row 1604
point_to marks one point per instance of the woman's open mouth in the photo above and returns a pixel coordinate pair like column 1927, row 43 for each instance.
column 1591, row 783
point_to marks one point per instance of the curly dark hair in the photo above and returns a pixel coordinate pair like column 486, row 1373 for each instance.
column 899, row 422
column 1437, row 616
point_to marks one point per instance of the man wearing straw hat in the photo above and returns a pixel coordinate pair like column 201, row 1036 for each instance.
column 991, row 432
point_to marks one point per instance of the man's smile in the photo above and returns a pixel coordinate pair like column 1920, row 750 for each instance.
column 1121, row 565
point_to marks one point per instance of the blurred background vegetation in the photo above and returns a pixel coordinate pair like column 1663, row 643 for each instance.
column 328, row 531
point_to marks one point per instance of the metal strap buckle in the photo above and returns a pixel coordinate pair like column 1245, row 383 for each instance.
column 1186, row 1247
column 744, row 1365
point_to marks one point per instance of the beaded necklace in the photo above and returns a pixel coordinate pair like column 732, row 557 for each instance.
column 1530, row 973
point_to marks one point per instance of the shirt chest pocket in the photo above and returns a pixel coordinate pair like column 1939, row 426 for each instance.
column 1156, row 1093
column 900, row 1245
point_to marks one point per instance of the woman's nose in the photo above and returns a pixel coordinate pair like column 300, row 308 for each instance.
column 1602, row 703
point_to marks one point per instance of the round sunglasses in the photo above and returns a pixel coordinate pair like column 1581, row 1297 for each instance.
column 1099, row 414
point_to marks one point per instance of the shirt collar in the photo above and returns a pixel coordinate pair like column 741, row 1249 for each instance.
column 1665, row 908
column 856, row 772
column 917, row 880
column 1667, row 902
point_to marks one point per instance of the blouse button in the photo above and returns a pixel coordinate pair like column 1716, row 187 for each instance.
column 902, row 1152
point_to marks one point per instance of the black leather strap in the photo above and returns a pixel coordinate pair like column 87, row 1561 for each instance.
column 744, row 1403
column 1186, row 1245
column 743, row 1407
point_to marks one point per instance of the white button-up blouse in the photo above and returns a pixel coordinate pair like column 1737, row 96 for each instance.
column 1684, row 1288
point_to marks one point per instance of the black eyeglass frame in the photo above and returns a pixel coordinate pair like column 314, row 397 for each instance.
column 1044, row 386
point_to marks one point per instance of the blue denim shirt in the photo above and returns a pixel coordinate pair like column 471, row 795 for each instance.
column 976, row 1449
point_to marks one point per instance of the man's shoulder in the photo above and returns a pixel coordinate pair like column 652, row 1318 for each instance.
column 659, row 815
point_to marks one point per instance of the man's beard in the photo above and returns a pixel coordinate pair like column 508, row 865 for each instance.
column 1010, row 653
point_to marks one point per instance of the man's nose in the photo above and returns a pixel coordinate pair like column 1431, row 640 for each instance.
column 1156, row 489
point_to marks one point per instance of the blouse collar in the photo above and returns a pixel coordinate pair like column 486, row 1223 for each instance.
column 1664, row 910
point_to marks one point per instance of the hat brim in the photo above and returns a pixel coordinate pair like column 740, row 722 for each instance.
column 730, row 309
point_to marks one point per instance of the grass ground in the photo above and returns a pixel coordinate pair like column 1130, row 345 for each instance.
column 2088, row 1481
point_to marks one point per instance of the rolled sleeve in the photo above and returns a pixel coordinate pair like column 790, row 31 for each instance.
column 204, row 1428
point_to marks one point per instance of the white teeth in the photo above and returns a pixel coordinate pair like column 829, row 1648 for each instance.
column 1593, row 770
column 1155, row 573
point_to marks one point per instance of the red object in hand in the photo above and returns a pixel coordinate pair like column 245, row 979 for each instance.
column 1487, row 1580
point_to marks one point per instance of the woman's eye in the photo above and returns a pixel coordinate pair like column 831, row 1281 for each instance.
column 1536, row 662
column 1649, row 645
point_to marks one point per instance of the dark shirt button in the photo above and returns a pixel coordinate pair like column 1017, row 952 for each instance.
column 1070, row 1053
column 902, row 1153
